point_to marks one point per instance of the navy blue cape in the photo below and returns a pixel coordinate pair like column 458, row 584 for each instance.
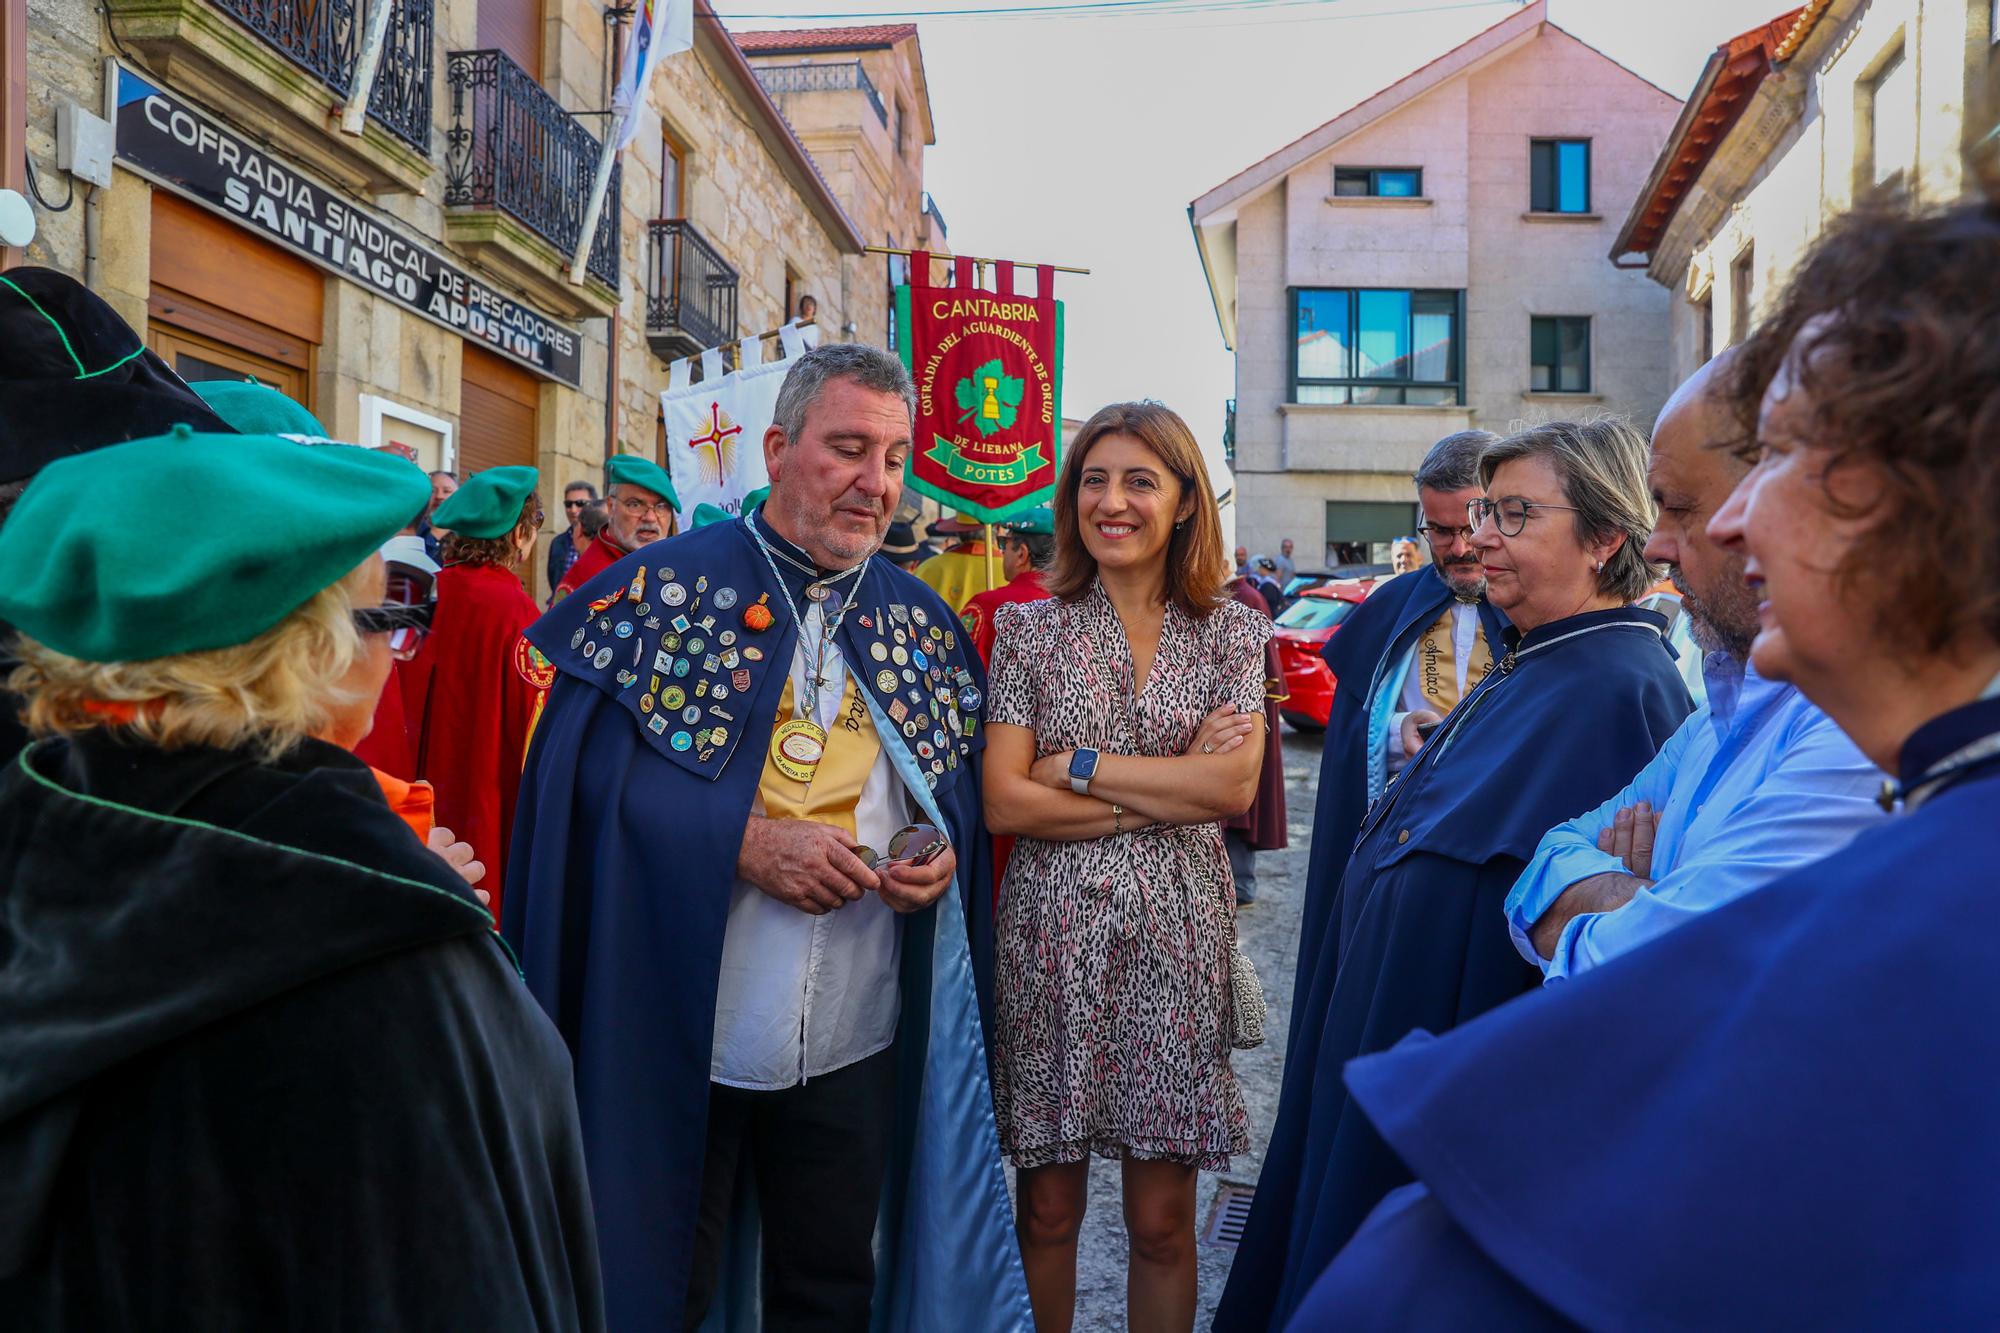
column 1781, row 1115
column 1361, row 652
column 624, row 856
column 1564, row 720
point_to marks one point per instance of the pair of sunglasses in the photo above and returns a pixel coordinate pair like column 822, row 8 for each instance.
column 406, row 624
column 917, row 844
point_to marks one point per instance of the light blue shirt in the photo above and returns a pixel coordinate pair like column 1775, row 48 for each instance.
column 1756, row 782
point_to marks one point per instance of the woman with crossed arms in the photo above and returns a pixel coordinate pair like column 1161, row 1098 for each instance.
column 1126, row 721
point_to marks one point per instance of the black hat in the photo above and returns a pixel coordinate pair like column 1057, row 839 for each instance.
column 900, row 540
column 75, row 377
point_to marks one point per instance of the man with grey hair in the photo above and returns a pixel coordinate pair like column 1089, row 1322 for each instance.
column 751, row 885
column 642, row 506
column 1406, row 654
column 1758, row 781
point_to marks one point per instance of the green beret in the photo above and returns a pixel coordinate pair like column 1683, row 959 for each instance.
column 184, row 543
column 488, row 504
column 632, row 470
column 755, row 498
column 705, row 514
column 1039, row 520
column 257, row 409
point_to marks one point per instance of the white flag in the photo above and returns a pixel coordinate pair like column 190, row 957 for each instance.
column 659, row 28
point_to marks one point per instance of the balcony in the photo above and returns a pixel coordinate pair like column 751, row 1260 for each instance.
column 834, row 77
column 518, row 171
column 290, row 64
column 690, row 290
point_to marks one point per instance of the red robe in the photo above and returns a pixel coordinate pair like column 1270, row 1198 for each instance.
column 389, row 747
column 471, row 710
column 977, row 617
column 979, row 610
column 597, row 557
column 1264, row 821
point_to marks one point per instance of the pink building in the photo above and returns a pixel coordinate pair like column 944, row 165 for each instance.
column 1431, row 260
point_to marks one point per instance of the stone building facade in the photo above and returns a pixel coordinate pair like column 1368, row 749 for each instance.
column 1431, row 260
column 1794, row 122
column 409, row 284
column 859, row 100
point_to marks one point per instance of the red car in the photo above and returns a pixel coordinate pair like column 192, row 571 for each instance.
column 1302, row 631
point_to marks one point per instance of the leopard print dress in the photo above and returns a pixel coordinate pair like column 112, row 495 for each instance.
column 1113, row 972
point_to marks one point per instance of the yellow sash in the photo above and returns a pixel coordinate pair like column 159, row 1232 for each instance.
column 835, row 790
column 1437, row 663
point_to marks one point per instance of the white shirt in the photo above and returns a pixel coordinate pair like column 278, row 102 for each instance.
column 1464, row 631
column 801, row 995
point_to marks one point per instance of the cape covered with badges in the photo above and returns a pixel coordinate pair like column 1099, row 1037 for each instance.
column 671, row 665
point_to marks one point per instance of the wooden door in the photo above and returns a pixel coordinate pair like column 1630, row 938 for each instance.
column 496, row 413
column 226, row 304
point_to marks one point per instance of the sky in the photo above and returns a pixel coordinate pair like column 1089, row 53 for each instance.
column 1081, row 139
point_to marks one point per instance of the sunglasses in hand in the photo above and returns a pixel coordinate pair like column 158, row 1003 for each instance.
column 914, row 844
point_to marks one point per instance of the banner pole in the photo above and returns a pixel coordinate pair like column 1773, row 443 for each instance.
column 989, row 557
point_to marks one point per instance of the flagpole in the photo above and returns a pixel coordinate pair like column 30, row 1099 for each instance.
column 606, row 158
column 353, row 116
column 1017, row 263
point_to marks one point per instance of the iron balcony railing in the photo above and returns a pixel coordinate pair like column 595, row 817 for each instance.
column 1229, row 432
column 323, row 37
column 511, row 146
column 691, row 289
column 835, row 77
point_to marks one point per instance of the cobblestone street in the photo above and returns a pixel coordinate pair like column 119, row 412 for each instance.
column 1270, row 932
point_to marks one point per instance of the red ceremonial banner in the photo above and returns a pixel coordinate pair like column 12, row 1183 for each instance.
column 988, row 369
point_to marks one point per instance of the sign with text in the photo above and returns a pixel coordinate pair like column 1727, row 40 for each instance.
column 173, row 144
column 988, row 369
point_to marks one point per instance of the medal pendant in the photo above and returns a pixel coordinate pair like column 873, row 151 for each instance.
column 817, row 592
column 796, row 748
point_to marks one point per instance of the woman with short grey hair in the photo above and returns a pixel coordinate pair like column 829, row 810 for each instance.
column 1583, row 695
column 1600, row 468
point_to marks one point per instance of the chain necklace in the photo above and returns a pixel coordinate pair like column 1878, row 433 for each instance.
column 818, row 592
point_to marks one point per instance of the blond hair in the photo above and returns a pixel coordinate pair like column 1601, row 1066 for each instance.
column 266, row 695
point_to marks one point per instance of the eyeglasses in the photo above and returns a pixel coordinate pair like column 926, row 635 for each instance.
column 1510, row 513
column 918, row 844
column 406, row 625
column 574, row 504
column 1444, row 538
column 634, row 506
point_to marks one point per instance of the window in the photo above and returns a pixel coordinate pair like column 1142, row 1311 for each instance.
column 1891, row 112
column 1742, row 293
column 1559, row 175
column 1364, row 345
column 1559, row 354
column 1704, row 327
column 1358, row 532
column 902, row 134
column 1378, row 182
column 1316, row 613
column 673, row 177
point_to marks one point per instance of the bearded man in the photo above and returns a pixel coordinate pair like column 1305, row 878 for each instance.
column 1756, row 782
column 1400, row 662
column 750, row 883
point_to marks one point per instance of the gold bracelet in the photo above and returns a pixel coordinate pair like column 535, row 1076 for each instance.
column 1117, row 819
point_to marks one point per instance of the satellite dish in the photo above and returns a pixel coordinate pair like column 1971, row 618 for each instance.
column 17, row 219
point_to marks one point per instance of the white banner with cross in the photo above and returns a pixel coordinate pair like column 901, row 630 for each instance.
column 715, row 429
